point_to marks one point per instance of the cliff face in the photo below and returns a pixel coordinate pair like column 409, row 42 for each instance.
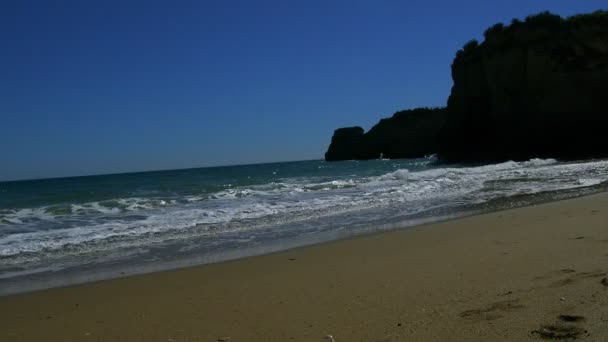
column 533, row 89
column 537, row 88
column 407, row 134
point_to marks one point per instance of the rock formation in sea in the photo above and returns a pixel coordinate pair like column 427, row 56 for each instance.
column 536, row 88
column 345, row 144
column 407, row 134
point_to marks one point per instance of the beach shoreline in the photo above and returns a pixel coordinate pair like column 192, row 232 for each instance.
column 504, row 275
column 222, row 214
column 78, row 275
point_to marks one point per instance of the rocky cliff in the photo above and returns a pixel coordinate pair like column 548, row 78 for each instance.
column 407, row 134
column 537, row 88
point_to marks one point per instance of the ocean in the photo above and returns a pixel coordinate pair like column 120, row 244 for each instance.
column 64, row 231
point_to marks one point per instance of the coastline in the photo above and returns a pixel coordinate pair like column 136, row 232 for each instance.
column 168, row 261
column 505, row 275
column 47, row 245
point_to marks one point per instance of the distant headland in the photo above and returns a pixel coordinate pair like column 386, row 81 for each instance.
column 536, row 88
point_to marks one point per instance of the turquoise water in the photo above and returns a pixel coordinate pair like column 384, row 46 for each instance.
column 151, row 219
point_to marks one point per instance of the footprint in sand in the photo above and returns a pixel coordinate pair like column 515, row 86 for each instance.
column 571, row 318
column 565, row 328
column 578, row 276
column 574, row 276
column 558, row 331
column 492, row 311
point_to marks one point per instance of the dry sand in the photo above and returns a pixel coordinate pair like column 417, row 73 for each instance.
column 516, row 275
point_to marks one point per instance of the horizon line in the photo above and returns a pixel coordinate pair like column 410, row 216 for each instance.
column 159, row 170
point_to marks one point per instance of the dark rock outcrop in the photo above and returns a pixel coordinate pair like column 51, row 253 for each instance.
column 407, row 134
column 537, row 88
column 344, row 144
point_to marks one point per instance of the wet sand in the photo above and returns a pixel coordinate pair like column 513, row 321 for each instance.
column 518, row 275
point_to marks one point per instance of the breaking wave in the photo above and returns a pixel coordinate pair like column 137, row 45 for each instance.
column 33, row 234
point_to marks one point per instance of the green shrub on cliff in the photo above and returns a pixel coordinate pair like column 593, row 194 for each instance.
column 544, row 27
column 546, row 20
column 494, row 30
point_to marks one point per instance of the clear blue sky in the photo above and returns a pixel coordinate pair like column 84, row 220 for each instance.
column 91, row 87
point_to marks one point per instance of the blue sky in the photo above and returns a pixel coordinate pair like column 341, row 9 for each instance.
column 92, row 87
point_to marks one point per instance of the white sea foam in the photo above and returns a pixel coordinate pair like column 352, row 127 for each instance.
column 107, row 224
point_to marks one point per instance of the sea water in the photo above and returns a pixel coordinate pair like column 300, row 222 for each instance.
column 69, row 230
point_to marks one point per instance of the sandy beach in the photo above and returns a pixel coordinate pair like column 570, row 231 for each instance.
column 517, row 275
